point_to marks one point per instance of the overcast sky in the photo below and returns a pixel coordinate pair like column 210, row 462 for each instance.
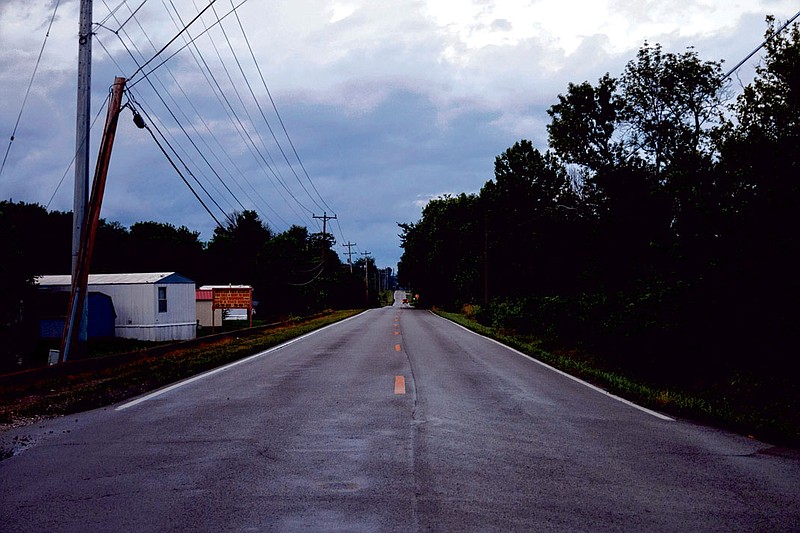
column 388, row 104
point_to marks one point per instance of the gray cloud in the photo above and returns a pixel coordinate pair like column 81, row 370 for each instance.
column 388, row 103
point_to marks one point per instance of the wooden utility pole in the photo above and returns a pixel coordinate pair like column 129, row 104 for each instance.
column 350, row 253
column 325, row 218
column 80, row 279
column 366, row 277
column 82, row 127
column 486, row 259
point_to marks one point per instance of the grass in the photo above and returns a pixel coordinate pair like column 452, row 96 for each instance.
column 770, row 421
column 28, row 401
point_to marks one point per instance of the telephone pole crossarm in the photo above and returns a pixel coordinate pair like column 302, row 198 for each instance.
column 325, row 218
column 350, row 253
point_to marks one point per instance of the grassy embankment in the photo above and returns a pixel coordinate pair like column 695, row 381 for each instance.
column 777, row 422
column 26, row 399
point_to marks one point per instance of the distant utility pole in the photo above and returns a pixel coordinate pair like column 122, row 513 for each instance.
column 350, row 253
column 486, row 259
column 325, row 218
column 82, row 127
column 366, row 276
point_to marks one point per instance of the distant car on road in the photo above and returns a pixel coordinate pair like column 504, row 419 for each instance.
column 405, row 300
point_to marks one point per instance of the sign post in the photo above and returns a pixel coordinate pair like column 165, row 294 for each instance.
column 232, row 298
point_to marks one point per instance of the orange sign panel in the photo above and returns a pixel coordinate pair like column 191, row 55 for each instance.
column 232, row 298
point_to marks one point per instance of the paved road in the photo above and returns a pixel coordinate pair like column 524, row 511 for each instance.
column 394, row 420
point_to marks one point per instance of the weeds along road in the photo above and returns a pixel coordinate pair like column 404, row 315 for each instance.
column 393, row 420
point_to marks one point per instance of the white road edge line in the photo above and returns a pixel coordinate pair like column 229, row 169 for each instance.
column 573, row 378
column 179, row 384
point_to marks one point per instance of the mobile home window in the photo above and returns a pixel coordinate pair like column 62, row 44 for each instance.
column 162, row 299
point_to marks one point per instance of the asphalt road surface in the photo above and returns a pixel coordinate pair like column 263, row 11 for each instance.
column 395, row 420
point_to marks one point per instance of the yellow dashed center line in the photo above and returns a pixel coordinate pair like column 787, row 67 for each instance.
column 399, row 385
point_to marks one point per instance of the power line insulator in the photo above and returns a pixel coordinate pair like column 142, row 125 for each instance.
column 138, row 120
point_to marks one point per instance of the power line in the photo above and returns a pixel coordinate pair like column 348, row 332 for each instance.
column 274, row 168
column 186, row 27
column 133, row 14
column 174, row 166
column 321, row 270
column 275, row 107
column 759, row 47
column 241, row 128
column 258, row 105
column 180, row 117
column 243, row 131
column 180, row 125
column 157, row 94
column 201, row 137
column 111, row 12
column 28, row 90
column 185, row 166
column 182, row 47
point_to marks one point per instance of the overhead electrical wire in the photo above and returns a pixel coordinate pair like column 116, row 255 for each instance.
column 274, row 167
column 186, row 160
column 181, row 175
column 320, row 266
column 133, row 14
column 30, row 84
column 261, row 111
column 202, row 138
column 216, row 89
column 178, row 122
column 759, row 47
column 277, row 113
column 179, row 50
column 185, row 28
column 192, row 142
column 219, row 22
column 247, row 137
column 132, row 101
column 111, row 12
column 189, row 171
column 248, row 134
column 163, row 150
column 238, row 126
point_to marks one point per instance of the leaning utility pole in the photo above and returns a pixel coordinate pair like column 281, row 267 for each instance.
column 325, row 218
column 78, row 295
column 350, row 253
column 82, row 127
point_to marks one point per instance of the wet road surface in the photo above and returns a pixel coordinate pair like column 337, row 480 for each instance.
column 394, row 420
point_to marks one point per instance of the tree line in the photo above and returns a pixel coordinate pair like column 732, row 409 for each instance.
column 294, row 272
column 659, row 231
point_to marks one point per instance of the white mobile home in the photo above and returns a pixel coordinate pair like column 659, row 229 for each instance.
column 156, row 306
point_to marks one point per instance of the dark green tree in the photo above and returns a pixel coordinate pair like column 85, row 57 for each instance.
column 755, row 274
column 233, row 251
column 670, row 105
column 34, row 243
column 583, row 125
column 444, row 251
column 530, row 207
